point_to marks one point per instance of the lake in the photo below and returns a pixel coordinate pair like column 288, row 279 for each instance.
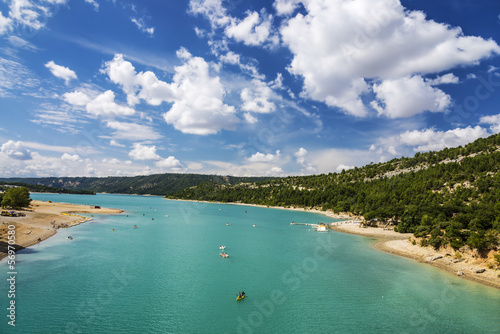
column 166, row 276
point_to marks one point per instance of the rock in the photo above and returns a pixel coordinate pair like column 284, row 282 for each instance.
column 460, row 273
column 458, row 260
column 434, row 258
column 481, row 270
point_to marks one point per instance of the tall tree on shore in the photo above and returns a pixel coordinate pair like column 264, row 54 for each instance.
column 16, row 198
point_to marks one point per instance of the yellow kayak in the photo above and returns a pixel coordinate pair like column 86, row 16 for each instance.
column 240, row 298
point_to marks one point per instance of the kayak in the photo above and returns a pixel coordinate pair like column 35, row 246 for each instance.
column 240, row 298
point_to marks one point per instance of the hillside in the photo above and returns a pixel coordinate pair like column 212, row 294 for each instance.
column 158, row 184
column 451, row 196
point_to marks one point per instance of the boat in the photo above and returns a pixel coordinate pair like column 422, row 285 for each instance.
column 135, row 226
column 254, row 225
column 227, row 224
column 222, row 247
column 70, row 238
column 241, row 296
column 224, row 254
column 321, row 227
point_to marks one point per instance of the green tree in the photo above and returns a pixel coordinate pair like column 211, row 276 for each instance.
column 16, row 198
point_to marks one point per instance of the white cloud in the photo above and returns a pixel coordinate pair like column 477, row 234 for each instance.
column 286, row 7
column 105, row 105
column 19, row 42
column 5, row 24
column 254, row 29
column 307, row 167
column 196, row 96
column 493, row 120
column 28, row 13
column 113, row 142
column 301, row 155
column 76, row 98
column 341, row 47
column 248, row 66
column 432, row 140
column 170, row 162
column 212, row 9
column 261, row 157
column 144, row 152
column 132, row 131
column 61, row 72
column 141, row 25
column 409, row 96
column 16, row 150
column 449, row 78
column 69, row 157
column 93, row 3
column 257, row 98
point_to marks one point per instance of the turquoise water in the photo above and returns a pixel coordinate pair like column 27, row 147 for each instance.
column 166, row 276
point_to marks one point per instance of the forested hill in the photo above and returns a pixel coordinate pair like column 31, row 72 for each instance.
column 158, row 184
column 456, row 190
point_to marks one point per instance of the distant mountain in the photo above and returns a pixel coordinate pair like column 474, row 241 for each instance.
column 451, row 196
column 158, row 184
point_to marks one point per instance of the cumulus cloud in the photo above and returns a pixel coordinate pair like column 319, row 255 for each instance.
column 61, row 72
column 254, row 29
column 432, row 140
column 449, row 78
column 257, row 98
column 408, row 96
column 493, row 120
column 16, row 150
column 307, row 167
column 170, row 162
column 105, row 105
column 261, row 157
column 343, row 48
column 76, row 98
column 144, row 152
column 69, row 157
column 196, row 95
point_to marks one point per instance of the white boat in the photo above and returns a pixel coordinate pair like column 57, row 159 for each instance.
column 222, row 247
column 321, row 227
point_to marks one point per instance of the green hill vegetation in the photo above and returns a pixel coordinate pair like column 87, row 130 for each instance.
column 40, row 188
column 158, row 184
column 446, row 197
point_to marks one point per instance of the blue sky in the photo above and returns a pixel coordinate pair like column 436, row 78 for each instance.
column 232, row 87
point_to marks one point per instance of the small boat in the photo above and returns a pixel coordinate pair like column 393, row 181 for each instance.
column 70, row 238
column 112, row 229
column 254, row 225
column 240, row 297
column 135, row 226
column 222, row 247
column 224, row 254
column 227, row 224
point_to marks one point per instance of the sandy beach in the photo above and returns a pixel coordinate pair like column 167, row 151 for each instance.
column 42, row 221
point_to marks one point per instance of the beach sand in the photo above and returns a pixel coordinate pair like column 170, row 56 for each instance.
column 43, row 221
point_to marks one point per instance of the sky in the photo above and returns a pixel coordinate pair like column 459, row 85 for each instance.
column 246, row 88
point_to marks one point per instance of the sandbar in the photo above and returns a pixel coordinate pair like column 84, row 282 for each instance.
column 42, row 221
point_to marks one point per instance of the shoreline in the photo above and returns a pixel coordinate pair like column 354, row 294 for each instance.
column 42, row 221
column 398, row 244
